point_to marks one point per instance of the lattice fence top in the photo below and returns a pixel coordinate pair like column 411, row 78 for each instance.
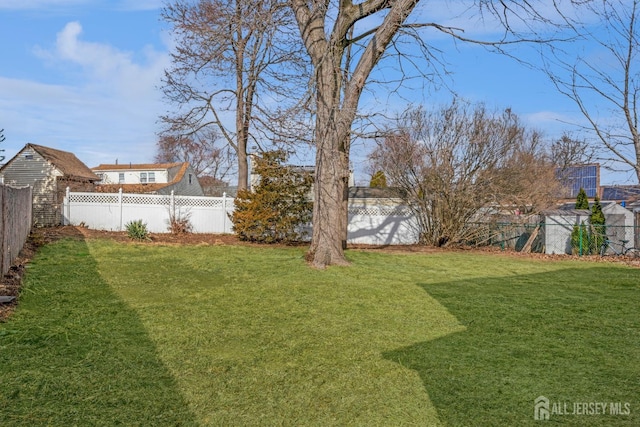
column 151, row 199
column 213, row 202
column 380, row 210
column 145, row 199
column 93, row 198
column 206, row 202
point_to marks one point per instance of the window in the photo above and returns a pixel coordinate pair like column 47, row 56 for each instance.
column 121, row 178
column 152, row 177
column 190, row 179
column 143, row 177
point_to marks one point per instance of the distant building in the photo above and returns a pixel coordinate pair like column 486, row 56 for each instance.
column 620, row 193
column 49, row 172
column 254, row 178
column 586, row 176
column 150, row 178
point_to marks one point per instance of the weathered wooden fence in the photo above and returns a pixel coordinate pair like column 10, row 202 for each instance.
column 369, row 223
column 15, row 222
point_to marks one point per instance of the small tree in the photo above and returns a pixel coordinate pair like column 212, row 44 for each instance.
column 279, row 205
column 378, row 180
column 598, row 229
column 580, row 239
column 582, row 202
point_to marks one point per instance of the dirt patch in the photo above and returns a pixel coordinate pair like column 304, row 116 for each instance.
column 10, row 282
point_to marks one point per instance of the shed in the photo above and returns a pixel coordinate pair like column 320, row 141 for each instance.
column 558, row 225
column 619, row 221
column 49, row 172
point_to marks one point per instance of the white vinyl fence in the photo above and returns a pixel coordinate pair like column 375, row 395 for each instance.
column 381, row 224
column 112, row 211
column 372, row 224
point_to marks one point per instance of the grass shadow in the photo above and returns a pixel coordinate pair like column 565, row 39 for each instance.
column 74, row 354
column 541, row 334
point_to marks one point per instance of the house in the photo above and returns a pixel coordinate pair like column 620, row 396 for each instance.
column 623, row 194
column 152, row 178
column 575, row 177
column 49, row 172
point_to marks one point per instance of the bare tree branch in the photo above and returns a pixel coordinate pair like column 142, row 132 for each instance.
column 234, row 61
column 605, row 84
column 455, row 165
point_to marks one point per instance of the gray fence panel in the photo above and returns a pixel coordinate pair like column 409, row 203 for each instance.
column 15, row 223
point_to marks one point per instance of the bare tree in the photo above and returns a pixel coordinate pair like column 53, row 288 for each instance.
column 569, row 151
column 201, row 150
column 566, row 153
column 456, row 164
column 234, row 64
column 605, row 83
column 345, row 41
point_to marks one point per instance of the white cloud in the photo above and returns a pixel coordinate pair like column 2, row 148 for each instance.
column 105, row 66
column 109, row 111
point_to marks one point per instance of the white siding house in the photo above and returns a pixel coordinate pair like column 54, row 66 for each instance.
column 151, row 178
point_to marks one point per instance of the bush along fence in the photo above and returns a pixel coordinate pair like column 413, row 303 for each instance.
column 15, row 222
column 370, row 222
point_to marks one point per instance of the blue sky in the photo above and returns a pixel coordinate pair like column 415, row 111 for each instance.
column 83, row 76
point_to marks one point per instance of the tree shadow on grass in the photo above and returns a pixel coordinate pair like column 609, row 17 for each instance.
column 571, row 336
column 73, row 353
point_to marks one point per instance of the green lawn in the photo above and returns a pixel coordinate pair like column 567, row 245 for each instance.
column 109, row 334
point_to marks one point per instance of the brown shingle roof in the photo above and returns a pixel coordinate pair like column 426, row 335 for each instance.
column 66, row 162
column 373, row 193
column 141, row 188
column 130, row 188
column 139, row 166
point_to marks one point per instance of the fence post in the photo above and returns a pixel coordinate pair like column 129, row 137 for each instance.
column 4, row 233
column 120, row 207
column 67, row 207
column 172, row 206
column 224, row 212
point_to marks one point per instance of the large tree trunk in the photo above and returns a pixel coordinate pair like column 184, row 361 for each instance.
column 329, row 210
column 331, row 173
column 243, row 170
column 337, row 99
